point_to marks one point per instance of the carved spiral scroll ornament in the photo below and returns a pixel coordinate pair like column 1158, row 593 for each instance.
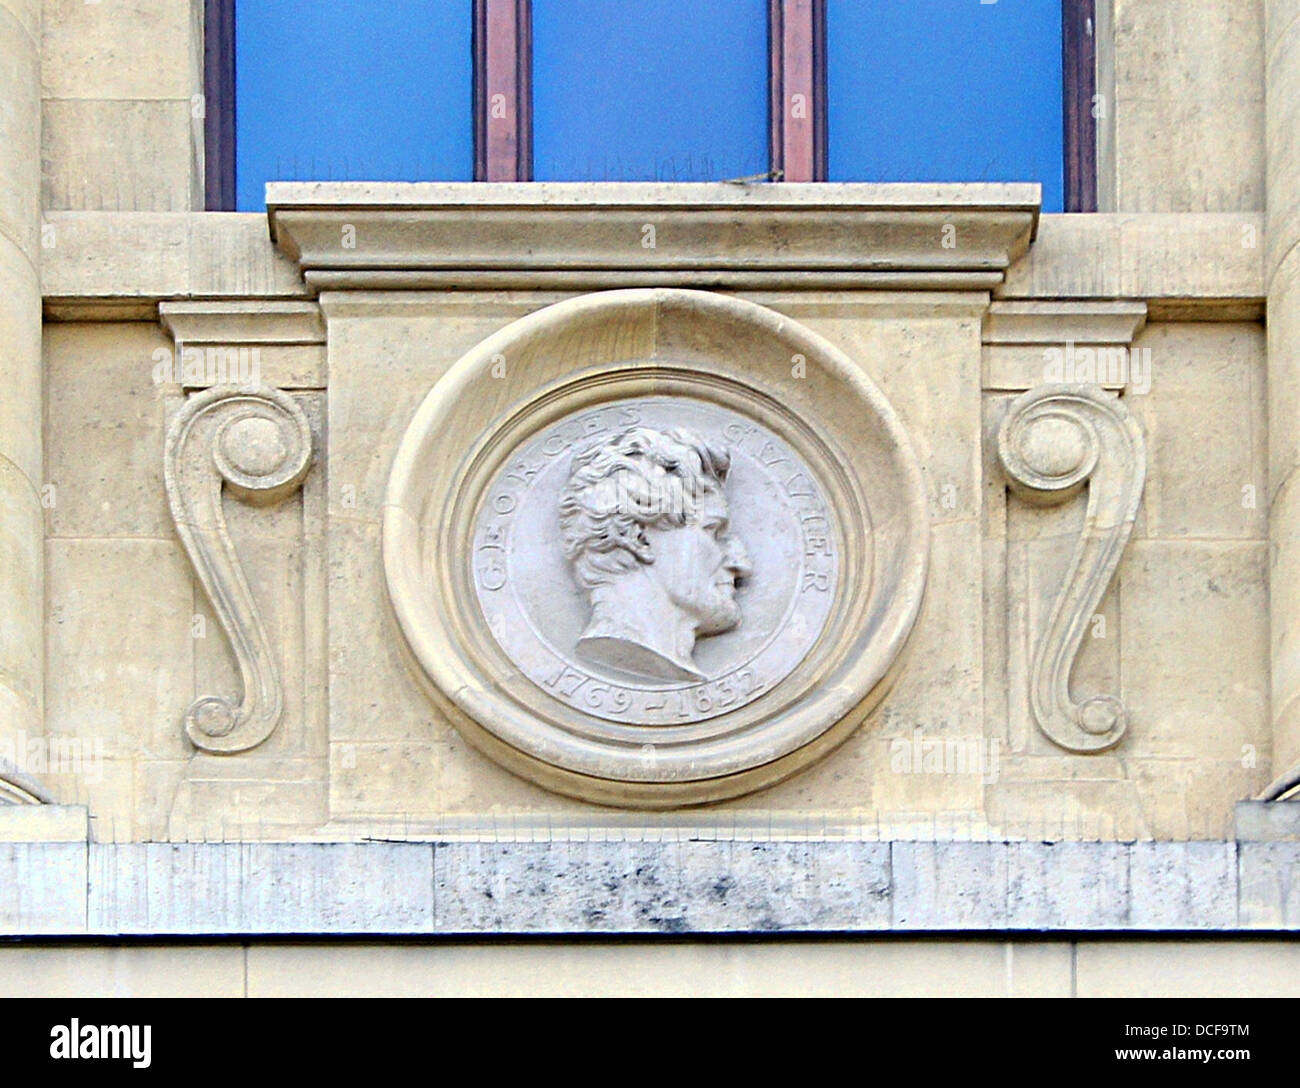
column 257, row 442
column 1055, row 439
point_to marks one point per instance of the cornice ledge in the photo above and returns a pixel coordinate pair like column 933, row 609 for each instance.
column 1115, row 321
column 361, row 235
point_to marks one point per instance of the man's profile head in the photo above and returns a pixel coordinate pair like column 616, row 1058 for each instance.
column 644, row 521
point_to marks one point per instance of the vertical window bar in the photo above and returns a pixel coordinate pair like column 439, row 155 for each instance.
column 1079, row 66
column 503, row 123
column 797, row 34
column 219, row 105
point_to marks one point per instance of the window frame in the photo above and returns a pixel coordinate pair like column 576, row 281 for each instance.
column 503, row 63
column 219, row 105
column 797, row 140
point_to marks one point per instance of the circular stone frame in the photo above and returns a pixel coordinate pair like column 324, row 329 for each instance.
column 611, row 346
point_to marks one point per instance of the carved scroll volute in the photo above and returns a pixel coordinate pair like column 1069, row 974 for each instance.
column 1055, row 439
column 257, row 442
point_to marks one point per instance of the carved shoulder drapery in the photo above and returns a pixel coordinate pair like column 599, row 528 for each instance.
column 17, row 788
column 257, row 442
column 1053, row 441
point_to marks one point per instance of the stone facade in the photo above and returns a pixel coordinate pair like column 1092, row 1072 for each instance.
column 1160, row 588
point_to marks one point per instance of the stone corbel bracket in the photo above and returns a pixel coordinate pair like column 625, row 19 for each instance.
column 256, row 441
column 1054, row 439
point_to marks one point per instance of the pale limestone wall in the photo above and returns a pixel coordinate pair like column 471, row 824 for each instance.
column 1189, row 639
column 129, row 663
column 21, row 469
column 1187, row 125
column 1187, row 623
column 1183, row 631
column 1185, row 641
column 1283, row 277
column 887, row 968
column 121, row 89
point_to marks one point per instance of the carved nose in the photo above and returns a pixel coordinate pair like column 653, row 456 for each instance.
column 737, row 559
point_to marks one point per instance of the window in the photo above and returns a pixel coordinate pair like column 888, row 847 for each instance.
column 667, row 90
column 656, row 90
column 338, row 91
column 946, row 90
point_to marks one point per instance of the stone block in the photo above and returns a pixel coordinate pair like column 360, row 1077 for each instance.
column 124, row 675
column 1190, row 885
column 949, row 885
column 118, row 155
column 42, row 888
column 1206, row 429
column 1180, row 67
column 141, row 49
column 214, row 888
column 1195, row 650
column 1067, row 885
column 1270, row 892
column 104, row 430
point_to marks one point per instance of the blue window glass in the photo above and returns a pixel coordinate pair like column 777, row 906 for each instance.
column 649, row 90
column 351, row 90
column 946, row 90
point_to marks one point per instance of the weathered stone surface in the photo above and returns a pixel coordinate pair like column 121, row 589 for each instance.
column 1180, row 67
column 139, row 50
column 620, row 884
column 1265, row 821
column 949, row 885
column 1270, row 885
column 250, row 888
column 650, row 887
column 1182, row 885
column 1067, row 884
column 43, row 888
column 1209, row 263
column 106, row 262
column 119, row 155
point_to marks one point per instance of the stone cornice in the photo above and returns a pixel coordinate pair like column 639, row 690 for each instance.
column 120, row 265
column 583, row 236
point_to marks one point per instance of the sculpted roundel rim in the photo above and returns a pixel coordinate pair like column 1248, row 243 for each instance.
column 655, row 564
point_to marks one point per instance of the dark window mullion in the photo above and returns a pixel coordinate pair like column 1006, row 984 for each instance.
column 219, row 105
column 1079, row 67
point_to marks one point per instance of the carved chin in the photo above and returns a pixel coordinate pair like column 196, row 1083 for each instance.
column 723, row 616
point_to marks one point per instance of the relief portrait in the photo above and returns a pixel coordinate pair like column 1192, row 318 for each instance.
column 645, row 529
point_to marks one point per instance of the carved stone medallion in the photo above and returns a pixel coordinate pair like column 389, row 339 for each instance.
column 655, row 547
column 656, row 561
